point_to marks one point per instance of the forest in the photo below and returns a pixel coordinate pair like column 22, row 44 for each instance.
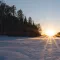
column 15, row 23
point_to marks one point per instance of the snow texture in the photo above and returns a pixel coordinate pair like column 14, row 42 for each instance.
column 25, row 48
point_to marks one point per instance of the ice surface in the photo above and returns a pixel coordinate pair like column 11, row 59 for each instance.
column 25, row 48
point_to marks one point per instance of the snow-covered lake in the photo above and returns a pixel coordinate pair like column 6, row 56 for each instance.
column 19, row 48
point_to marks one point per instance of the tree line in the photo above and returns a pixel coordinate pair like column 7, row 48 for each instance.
column 58, row 34
column 16, row 23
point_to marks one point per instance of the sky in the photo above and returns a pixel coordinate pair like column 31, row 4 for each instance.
column 45, row 12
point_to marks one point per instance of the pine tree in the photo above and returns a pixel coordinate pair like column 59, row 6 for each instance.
column 25, row 20
column 30, row 21
column 20, row 16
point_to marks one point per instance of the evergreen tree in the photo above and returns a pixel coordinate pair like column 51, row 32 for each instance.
column 20, row 15
column 25, row 20
column 30, row 21
column 13, row 8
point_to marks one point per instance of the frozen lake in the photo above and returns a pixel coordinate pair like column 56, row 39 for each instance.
column 18, row 48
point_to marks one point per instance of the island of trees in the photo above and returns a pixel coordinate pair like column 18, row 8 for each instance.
column 58, row 34
column 14, row 23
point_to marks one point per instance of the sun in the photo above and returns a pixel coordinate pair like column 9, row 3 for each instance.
column 50, row 33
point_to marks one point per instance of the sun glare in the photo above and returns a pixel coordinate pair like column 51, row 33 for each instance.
column 50, row 33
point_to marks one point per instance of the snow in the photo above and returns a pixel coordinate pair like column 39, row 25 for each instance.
column 25, row 48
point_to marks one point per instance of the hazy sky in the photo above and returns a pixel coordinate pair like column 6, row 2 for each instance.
column 45, row 12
